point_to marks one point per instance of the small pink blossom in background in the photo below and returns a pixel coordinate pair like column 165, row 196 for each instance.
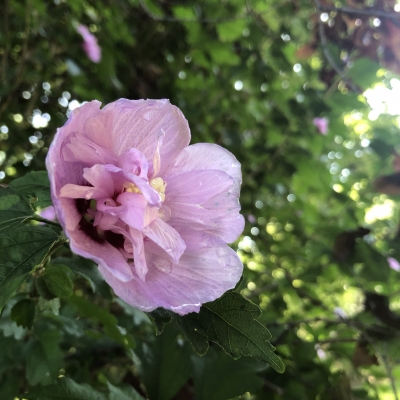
column 393, row 263
column 321, row 124
column 251, row 218
column 48, row 213
column 90, row 45
column 154, row 213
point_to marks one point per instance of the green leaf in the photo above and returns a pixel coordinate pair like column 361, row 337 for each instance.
column 45, row 357
column 159, row 317
column 65, row 389
column 23, row 313
column 88, row 270
column 34, row 187
column 216, row 376
column 23, row 249
column 108, row 320
column 165, row 365
column 13, row 209
column 128, row 393
column 194, row 332
column 230, row 321
column 58, row 281
column 231, row 30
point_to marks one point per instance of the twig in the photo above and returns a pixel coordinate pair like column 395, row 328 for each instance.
column 328, row 55
column 361, row 11
column 38, row 218
column 174, row 19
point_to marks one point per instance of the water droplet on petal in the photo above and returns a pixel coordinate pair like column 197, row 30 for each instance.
column 221, row 252
column 163, row 265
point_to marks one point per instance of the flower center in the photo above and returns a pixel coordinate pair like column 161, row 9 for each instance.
column 157, row 184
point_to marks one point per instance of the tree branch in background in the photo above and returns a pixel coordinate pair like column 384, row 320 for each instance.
column 328, row 55
column 371, row 12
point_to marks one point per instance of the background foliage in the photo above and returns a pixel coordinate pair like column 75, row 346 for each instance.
column 250, row 76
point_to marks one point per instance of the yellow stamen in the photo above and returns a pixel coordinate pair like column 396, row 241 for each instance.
column 159, row 185
column 131, row 188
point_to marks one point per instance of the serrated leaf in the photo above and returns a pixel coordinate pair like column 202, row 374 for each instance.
column 65, row 389
column 107, row 319
column 58, row 281
column 116, row 393
column 159, row 317
column 23, row 248
column 13, row 209
column 23, row 313
column 231, row 322
column 34, row 187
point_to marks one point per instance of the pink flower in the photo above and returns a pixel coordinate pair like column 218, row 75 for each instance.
column 154, row 213
column 90, row 45
column 321, row 124
column 393, row 263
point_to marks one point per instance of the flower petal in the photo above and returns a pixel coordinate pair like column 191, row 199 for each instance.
column 140, row 123
column 196, row 187
column 104, row 254
column 200, row 276
column 166, row 237
column 71, row 191
column 100, row 178
column 206, row 156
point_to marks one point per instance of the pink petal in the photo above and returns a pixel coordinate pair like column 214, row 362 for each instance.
column 206, row 156
column 104, row 254
column 100, row 178
column 81, row 149
column 134, row 162
column 166, row 237
column 196, row 187
column 140, row 124
column 131, row 211
column 71, row 191
column 200, row 276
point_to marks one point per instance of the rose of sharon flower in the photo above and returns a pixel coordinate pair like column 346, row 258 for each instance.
column 321, row 124
column 90, row 45
column 154, row 213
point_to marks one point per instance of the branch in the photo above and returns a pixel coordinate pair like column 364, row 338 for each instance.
column 361, row 11
column 38, row 218
column 328, row 55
